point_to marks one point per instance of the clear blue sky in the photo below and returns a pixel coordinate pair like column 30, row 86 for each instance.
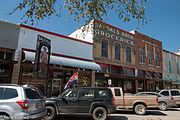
column 164, row 25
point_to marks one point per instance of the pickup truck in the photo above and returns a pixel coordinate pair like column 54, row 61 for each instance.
column 138, row 103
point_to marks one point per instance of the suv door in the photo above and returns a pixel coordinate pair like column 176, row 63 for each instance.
column 68, row 102
column 86, row 97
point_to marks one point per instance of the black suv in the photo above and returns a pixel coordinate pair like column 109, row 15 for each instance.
column 96, row 101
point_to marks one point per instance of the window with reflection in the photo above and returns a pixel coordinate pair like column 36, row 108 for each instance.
column 149, row 57
column 128, row 54
column 141, row 55
column 104, row 49
column 117, row 51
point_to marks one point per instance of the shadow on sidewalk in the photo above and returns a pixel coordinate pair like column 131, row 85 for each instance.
column 149, row 112
column 76, row 117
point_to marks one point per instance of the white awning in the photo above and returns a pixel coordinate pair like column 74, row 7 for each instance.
column 30, row 56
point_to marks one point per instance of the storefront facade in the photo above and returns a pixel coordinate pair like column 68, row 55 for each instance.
column 171, row 70
column 114, row 51
column 8, row 44
column 65, row 59
column 149, row 63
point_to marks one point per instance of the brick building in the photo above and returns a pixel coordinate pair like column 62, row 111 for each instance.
column 149, row 62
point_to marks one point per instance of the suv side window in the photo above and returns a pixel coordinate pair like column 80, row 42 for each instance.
column 71, row 93
column 1, row 92
column 86, row 93
column 175, row 93
column 165, row 93
column 32, row 93
column 103, row 93
column 9, row 93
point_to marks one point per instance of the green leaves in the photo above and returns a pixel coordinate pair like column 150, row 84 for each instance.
column 36, row 10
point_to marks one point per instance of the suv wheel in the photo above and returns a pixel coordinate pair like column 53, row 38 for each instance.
column 4, row 117
column 162, row 106
column 51, row 113
column 99, row 113
column 140, row 109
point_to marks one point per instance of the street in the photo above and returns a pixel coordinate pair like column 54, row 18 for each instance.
column 170, row 114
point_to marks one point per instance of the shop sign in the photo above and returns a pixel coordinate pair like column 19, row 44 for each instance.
column 103, row 30
column 42, row 57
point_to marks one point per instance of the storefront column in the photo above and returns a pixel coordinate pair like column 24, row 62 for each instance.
column 136, row 86
column 93, row 79
column 16, row 70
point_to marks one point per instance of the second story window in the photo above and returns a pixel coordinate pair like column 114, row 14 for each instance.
column 117, row 52
column 170, row 67
column 104, row 49
column 157, row 59
column 128, row 54
column 141, row 55
column 178, row 72
column 149, row 57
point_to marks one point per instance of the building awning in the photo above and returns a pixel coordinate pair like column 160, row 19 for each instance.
column 30, row 56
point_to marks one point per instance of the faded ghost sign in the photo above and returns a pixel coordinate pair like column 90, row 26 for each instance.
column 111, row 33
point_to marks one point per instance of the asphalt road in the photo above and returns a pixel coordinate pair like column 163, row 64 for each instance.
column 170, row 114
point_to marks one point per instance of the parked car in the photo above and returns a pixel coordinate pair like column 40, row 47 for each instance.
column 21, row 102
column 137, row 103
column 97, row 102
column 164, row 101
column 173, row 93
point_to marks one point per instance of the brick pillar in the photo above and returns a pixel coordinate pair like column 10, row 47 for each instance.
column 16, row 70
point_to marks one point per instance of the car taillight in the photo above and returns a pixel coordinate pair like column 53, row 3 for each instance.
column 24, row 104
column 157, row 102
column 113, row 101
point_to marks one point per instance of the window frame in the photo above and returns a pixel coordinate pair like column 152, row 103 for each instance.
column 104, row 49
column 128, row 54
column 117, row 51
column 149, row 57
column 141, row 55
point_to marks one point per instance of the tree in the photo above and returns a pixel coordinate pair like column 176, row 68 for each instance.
column 36, row 10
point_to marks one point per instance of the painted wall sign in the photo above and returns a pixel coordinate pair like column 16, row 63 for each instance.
column 103, row 30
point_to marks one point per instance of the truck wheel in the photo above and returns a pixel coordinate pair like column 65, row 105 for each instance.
column 4, row 117
column 140, row 109
column 51, row 113
column 99, row 113
column 162, row 106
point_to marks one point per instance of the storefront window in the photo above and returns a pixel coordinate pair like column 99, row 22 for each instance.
column 141, row 86
column 128, row 86
column 57, row 82
column 5, row 73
